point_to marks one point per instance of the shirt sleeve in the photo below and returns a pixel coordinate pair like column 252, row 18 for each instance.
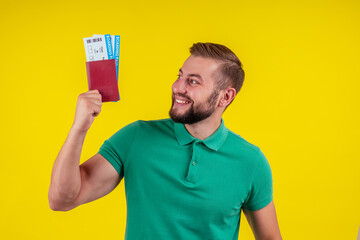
column 116, row 148
column 261, row 187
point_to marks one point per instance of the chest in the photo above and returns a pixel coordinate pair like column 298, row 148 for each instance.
column 192, row 178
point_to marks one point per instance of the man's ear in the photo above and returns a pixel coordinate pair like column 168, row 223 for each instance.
column 227, row 95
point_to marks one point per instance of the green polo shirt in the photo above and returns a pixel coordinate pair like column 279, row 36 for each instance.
column 180, row 187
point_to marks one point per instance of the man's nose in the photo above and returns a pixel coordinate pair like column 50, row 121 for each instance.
column 179, row 86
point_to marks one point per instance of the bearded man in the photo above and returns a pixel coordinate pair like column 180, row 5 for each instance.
column 186, row 177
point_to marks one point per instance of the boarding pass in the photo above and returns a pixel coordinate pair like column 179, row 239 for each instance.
column 103, row 47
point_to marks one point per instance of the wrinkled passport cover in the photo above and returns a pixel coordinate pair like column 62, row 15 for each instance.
column 102, row 76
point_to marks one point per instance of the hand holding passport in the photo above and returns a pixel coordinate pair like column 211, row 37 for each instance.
column 102, row 55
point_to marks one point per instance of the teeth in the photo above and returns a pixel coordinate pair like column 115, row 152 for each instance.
column 181, row 101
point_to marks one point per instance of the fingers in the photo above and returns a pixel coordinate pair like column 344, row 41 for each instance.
column 96, row 110
column 91, row 97
column 92, row 94
column 88, row 106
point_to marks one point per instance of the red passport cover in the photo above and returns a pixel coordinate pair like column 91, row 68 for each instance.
column 102, row 76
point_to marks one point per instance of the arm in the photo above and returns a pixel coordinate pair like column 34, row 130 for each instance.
column 71, row 184
column 263, row 223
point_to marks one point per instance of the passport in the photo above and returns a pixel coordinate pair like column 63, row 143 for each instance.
column 102, row 55
column 102, row 76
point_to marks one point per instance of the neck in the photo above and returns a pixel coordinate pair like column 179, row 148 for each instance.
column 203, row 129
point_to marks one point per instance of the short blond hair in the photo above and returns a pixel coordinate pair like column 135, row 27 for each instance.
column 231, row 73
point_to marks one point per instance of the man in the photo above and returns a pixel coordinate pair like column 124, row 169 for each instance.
column 187, row 177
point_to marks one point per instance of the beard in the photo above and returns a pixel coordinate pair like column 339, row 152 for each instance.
column 195, row 113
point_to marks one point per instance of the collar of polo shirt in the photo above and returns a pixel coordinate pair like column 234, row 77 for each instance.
column 214, row 142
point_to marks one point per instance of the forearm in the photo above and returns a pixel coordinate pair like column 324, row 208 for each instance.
column 66, row 178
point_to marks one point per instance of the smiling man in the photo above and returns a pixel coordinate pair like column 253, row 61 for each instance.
column 187, row 177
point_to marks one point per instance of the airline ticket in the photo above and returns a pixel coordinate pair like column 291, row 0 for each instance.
column 103, row 47
column 95, row 48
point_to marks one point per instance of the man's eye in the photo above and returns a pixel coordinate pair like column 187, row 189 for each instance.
column 191, row 81
column 179, row 76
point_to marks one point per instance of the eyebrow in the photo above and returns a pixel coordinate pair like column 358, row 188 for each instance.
column 192, row 75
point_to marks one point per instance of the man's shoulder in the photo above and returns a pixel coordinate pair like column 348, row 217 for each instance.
column 239, row 145
column 245, row 150
column 145, row 130
column 235, row 138
column 159, row 125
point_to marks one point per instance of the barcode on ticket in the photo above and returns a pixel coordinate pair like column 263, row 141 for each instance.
column 94, row 40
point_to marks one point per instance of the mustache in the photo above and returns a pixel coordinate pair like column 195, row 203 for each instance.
column 183, row 96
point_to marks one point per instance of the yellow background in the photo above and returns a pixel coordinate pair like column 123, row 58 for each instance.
column 300, row 102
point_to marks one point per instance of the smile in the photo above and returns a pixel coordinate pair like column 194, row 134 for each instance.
column 182, row 101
